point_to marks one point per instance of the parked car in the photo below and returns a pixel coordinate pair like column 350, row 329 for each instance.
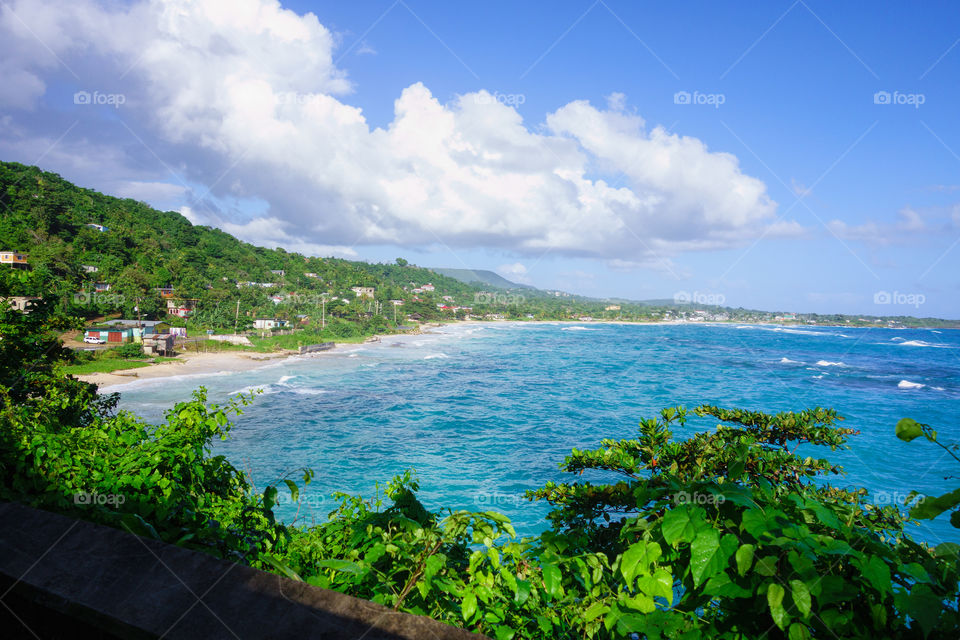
column 92, row 340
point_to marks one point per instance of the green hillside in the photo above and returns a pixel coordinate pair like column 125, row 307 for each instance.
column 137, row 249
column 480, row 277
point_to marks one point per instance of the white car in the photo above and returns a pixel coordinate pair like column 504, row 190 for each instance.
column 92, row 340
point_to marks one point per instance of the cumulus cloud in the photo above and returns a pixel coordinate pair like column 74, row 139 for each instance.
column 246, row 98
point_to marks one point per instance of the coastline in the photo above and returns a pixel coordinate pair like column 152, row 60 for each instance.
column 239, row 361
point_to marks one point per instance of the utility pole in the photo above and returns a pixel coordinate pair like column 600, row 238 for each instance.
column 236, row 317
column 323, row 312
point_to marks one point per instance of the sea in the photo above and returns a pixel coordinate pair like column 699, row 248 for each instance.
column 483, row 412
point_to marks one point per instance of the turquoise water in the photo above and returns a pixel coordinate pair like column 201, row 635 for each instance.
column 485, row 412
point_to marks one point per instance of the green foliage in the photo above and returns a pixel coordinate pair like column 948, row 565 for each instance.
column 728, row 533
column 128, row 350
column 929, row 507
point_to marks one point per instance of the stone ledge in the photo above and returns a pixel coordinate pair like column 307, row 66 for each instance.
column 125, row 586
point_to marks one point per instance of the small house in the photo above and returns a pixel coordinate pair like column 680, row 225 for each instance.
column 181, row 308
column 428, row 287
column 165, row 292
column 363, row 292
column 20, row 303
column 14, row 259
column 278, row 272
column 268, row 323
column 98, row 227
column 110, row 334
column 89, row 268
column 160, row 344
column 100, row 287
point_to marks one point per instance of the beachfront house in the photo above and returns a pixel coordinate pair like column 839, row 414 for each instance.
column 139, row 329
column 110, row 334
column 14, row 259
column 160, row 344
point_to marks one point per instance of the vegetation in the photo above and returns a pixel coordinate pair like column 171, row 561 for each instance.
column 78, row 239
column 729, row 533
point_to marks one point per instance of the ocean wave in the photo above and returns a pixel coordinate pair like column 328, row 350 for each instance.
column 577, row 329
column 827, row 363
column 434, row 356
column 906, row 384
column 917, row 343
column 789, row 361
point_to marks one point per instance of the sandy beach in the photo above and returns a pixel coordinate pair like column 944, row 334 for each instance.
column 233, row 361
column 190, row 363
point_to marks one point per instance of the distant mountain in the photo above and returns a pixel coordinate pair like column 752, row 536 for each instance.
column 481, row 276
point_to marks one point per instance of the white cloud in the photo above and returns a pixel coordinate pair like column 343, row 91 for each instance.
column 517, row 272
column 245, row 95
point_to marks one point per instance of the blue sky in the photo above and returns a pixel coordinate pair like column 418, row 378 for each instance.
column 548, row 141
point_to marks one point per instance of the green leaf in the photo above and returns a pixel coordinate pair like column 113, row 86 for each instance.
column 775, row 601
column 281, row 567
column 929, row 508
column 504, row 633
column 801, row 596
column 744, row 558
column 798, row 631
column 682, row 523
column 947, row 550
column 709, row 554
column 339, row 565
column 552, row 580
column 659, row 584
column 523, row 591
column 594, row 610
column 876, row 572
column 766, row 566
column 469, row 606
column 641, row 602
column 723, row 587
column 907, row 429
column 638, row 558
column 294, row 490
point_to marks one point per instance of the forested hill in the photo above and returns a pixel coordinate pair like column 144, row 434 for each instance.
column 137, row 249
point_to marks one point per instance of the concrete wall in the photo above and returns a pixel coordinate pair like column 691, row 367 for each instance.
column 61, row 577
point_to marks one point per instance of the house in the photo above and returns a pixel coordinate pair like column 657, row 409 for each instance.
column 165, row 292
column 278, row 272
column 417, row 290
column 363, row 292
column 612, row 307
column 428, row 287
column 309, row 274
column 415, row 316
column 397, row 303
column 89, row 268
column 139, row 329
column 111, row 334
column 15, row 259
column 100, row 287
column 20, row 303
column 181, row 308
column 160, row 344
column 268, row 323
column 277, row 299
column 302, row 318
column 98, row 227
column 448, row 298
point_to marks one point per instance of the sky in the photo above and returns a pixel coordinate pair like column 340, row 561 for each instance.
column 788, row 156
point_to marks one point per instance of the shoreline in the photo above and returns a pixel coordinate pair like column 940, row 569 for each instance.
column 239, row 361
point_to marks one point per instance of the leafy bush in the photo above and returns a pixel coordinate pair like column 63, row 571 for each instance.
column 128, row 350
column 728, row 533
